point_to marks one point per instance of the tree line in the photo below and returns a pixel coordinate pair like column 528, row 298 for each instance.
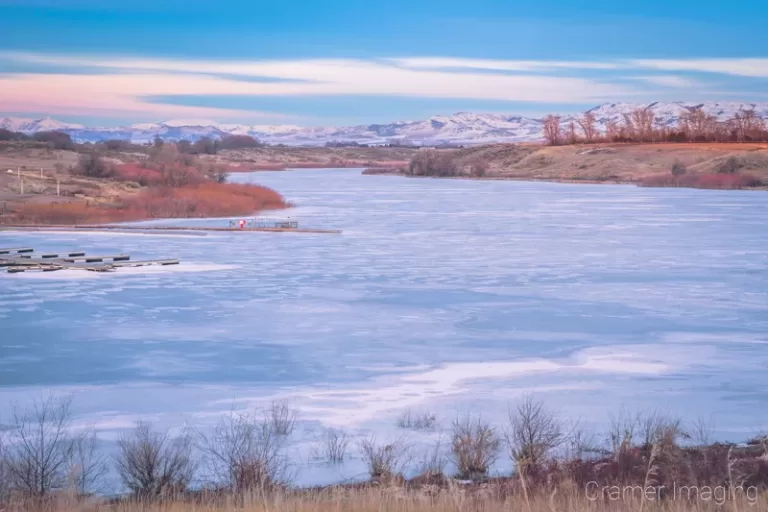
column 202, row 146
column 641, row 125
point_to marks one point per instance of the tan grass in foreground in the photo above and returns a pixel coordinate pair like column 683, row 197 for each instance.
column 488, row 498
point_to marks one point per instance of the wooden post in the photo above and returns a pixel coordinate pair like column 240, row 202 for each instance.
column 58, row 187
column 22, row 184
column 41, row 173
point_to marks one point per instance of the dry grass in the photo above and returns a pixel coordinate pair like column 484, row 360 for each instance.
column 486, row 498
column 646, row 468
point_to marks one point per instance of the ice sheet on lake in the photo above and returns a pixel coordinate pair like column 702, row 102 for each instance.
column 439, row 295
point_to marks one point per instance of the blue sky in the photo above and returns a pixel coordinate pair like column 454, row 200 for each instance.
column 344, row 62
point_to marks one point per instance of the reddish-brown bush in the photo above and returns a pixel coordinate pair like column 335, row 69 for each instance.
column 203, row 200
column 141, row 175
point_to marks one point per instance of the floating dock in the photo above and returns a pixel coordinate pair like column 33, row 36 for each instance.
column 254, row 224
column 23, row 259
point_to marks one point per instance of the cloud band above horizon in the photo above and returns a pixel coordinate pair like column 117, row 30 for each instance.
column 128, row 87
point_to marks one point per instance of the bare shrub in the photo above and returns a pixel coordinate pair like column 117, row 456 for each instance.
column 657, row 428
column 384, row 460
column 678, row 168
column 474, row 446
column 701, row 431
column 622, row 433
column 238, row 142
column 534, row 431
column 281, row 418
column 434, row 163
column 178, row 176
column 478, row 168
column 580, row 444
column 153, row 464
column 219, row 175
column 732, row 165
column 244, row 453
column 433, row 461
column 93, row 166
column 334, row 445
column 40, row 448
column 417, row 420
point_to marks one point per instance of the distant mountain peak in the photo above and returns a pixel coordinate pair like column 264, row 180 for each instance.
column 458, row 128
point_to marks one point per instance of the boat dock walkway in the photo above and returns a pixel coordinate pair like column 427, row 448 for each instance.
column 24, row 259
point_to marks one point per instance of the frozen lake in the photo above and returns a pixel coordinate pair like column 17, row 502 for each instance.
column 441, row 295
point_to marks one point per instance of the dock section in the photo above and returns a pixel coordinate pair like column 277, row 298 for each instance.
column 247, row 225
column 16, row 260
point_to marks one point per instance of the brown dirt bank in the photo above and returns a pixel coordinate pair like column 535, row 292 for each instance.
column 41, row 185
column 597, row 163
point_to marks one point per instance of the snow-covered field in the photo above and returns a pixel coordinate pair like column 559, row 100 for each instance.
column 440, row 295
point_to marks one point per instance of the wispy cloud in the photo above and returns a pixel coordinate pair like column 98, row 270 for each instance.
column 125, row 86
column 672, row 81
column 499, row 65
column 737, row 67
column 125, row 83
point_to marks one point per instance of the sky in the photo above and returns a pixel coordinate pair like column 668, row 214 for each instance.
column 343, row 62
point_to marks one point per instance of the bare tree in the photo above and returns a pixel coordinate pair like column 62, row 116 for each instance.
column 642, row 121
column 747, row 125
column 697, row 124
column 153, row 464
column 384, row 461
column 244, row 453
column 88, row 465
column 572, row 137
column 587, row 123
column 475, row 446
column 40, row 452
column 5, row 477
column 534, row 432
column 612, row 130
column 551, row 127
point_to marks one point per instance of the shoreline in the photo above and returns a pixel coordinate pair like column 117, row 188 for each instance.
column 115, row 227
column 533, row 179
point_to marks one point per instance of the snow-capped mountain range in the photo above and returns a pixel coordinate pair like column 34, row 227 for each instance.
column 460, row 128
